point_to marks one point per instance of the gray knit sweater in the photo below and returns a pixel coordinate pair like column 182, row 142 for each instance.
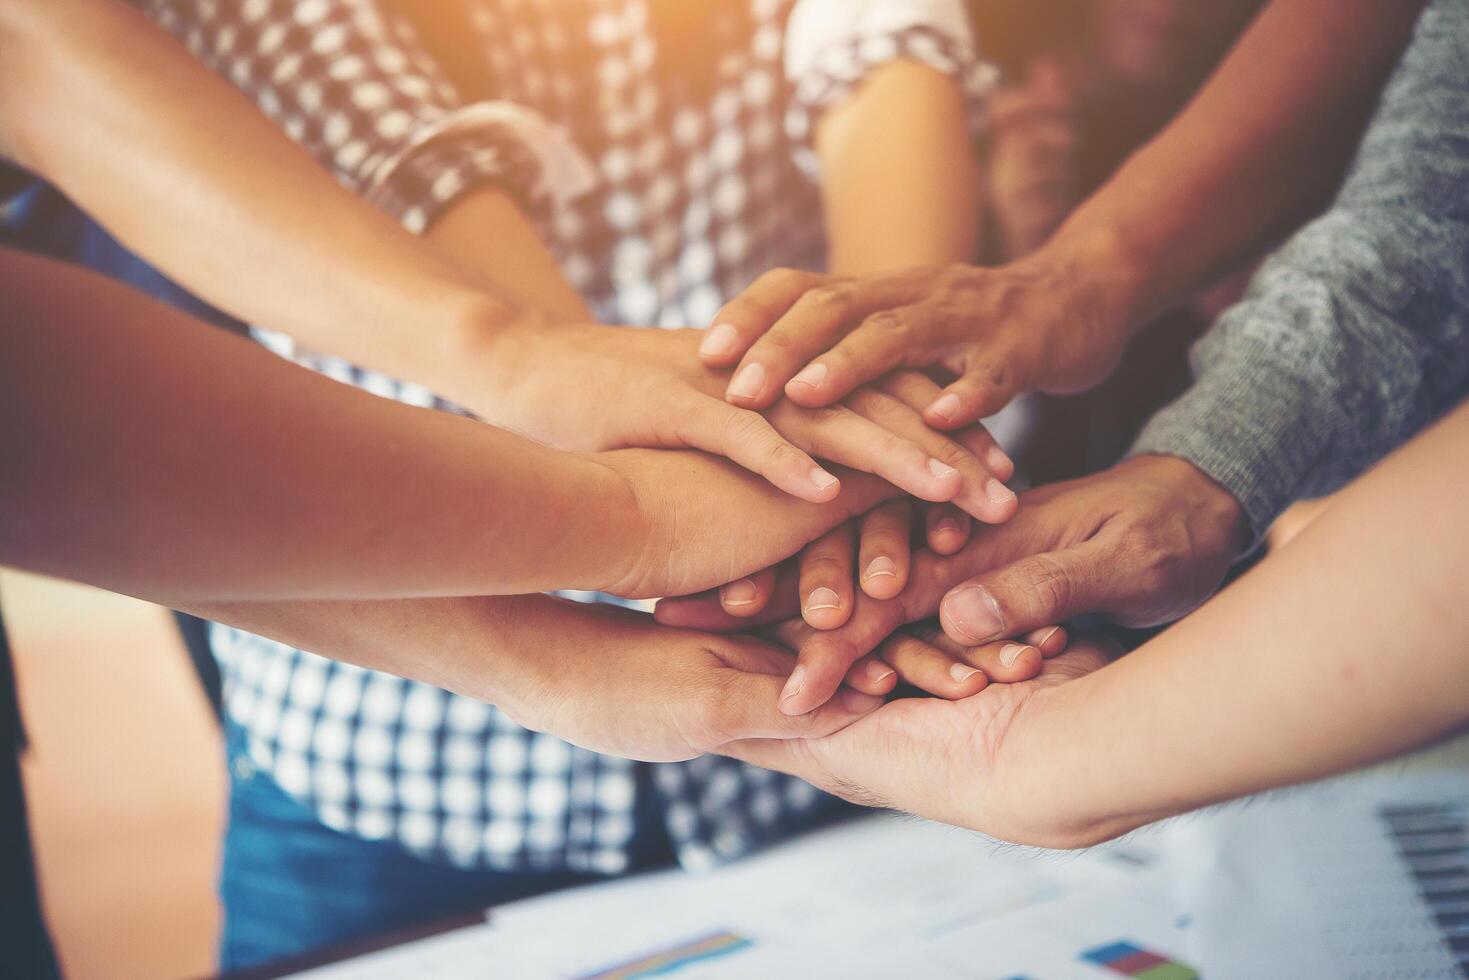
column 1355, row 334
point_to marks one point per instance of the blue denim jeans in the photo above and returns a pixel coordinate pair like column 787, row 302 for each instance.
column 291, row 885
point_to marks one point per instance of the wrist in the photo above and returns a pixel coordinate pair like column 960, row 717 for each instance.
column 1109, row 279
column 621, row 519
column 1216, row 515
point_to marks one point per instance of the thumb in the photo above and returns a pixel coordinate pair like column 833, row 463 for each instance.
column 1036, row 591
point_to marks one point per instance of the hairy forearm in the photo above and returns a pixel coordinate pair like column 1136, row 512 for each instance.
column 1344, row 648
column 1256, row 151
column 188, row 174
column 148, row 454
column 900, row 179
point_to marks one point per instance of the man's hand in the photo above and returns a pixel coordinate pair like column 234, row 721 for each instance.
column 1038, row 324
column 944, row 760
column 611, row 680
column 1144, row 543
column 587, row 387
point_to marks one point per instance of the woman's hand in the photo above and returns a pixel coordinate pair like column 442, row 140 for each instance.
column 612, row 681
column 821, row 581
column 1038, row 324
column 594, row 388
column 951, row 761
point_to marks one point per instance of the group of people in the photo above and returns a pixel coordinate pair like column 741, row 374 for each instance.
column 861, row 241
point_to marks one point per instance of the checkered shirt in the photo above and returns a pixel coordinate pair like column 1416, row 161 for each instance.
column 659, row 202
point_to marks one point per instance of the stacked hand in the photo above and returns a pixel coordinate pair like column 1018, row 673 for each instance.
column 594, row 388
column 1144, row 542
column 953, row 761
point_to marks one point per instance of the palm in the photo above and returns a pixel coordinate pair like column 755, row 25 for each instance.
column 931, row 757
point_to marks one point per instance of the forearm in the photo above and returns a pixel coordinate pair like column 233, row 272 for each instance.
column 1258, row 149
column 147, row 454
column 900, row 179
column 474, row 646
column 187, row 173
column 1344, row 648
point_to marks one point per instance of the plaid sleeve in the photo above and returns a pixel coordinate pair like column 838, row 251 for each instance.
column 352, row 83
column 832, row 45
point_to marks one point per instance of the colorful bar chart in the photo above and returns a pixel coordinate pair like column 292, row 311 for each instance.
column 1130, row 960
column 668, row 961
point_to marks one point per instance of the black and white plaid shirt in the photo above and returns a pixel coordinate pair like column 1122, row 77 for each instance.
column 659, row 204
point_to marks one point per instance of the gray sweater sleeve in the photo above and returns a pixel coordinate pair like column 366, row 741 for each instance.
column 1355, row 334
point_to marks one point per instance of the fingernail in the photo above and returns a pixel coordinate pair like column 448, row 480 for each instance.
column 740, row 593
column 858, row 703
column 940, row 471
column 997, row 462
column 1011, row 652
column 720, row 341
column 811, row 375
column 1047, row 638
column 748, row 382
column 880, row 566
column 946, row 406
column 822, row 598
column 794, row 685
column 822, row 479
column 974, row 613
column 946, row 526
column 998, row 493
column 877, row 671
column 962, row 672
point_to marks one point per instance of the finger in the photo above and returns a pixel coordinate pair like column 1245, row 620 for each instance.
column 748, row 596
column 752, row 312
column 931, row 669
column 812, row 325
column 897, row 404
column 1049, row 640
column 822, row 663
column 872, row 675
column 844, row 437
column 979, row 393
column 941, row 453
column 946, row 528
column 879, row 344
column 749, row 440
column 1004, row 662
column 1030, row 593
column 706, row 612
column 885, row 552
column 826, row 579
column 745, row 708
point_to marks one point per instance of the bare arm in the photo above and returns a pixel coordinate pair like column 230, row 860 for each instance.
column 899, row 176
column 603, row 678
column 148, row 454
column 186, row 172
column 1258, row 149
column 1344, row 648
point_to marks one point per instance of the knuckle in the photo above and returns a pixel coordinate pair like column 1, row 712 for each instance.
column 1048, row 582
column 824, row 565
column 833, row 300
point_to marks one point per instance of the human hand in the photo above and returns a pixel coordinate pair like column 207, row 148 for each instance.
column 921, row 656
column 596, row 388
column 1032, row 161
column 822, row 576
column 611, row 680
column 1046, row 322
column 705, row 521
column 1144, row 543
column 952, row 761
